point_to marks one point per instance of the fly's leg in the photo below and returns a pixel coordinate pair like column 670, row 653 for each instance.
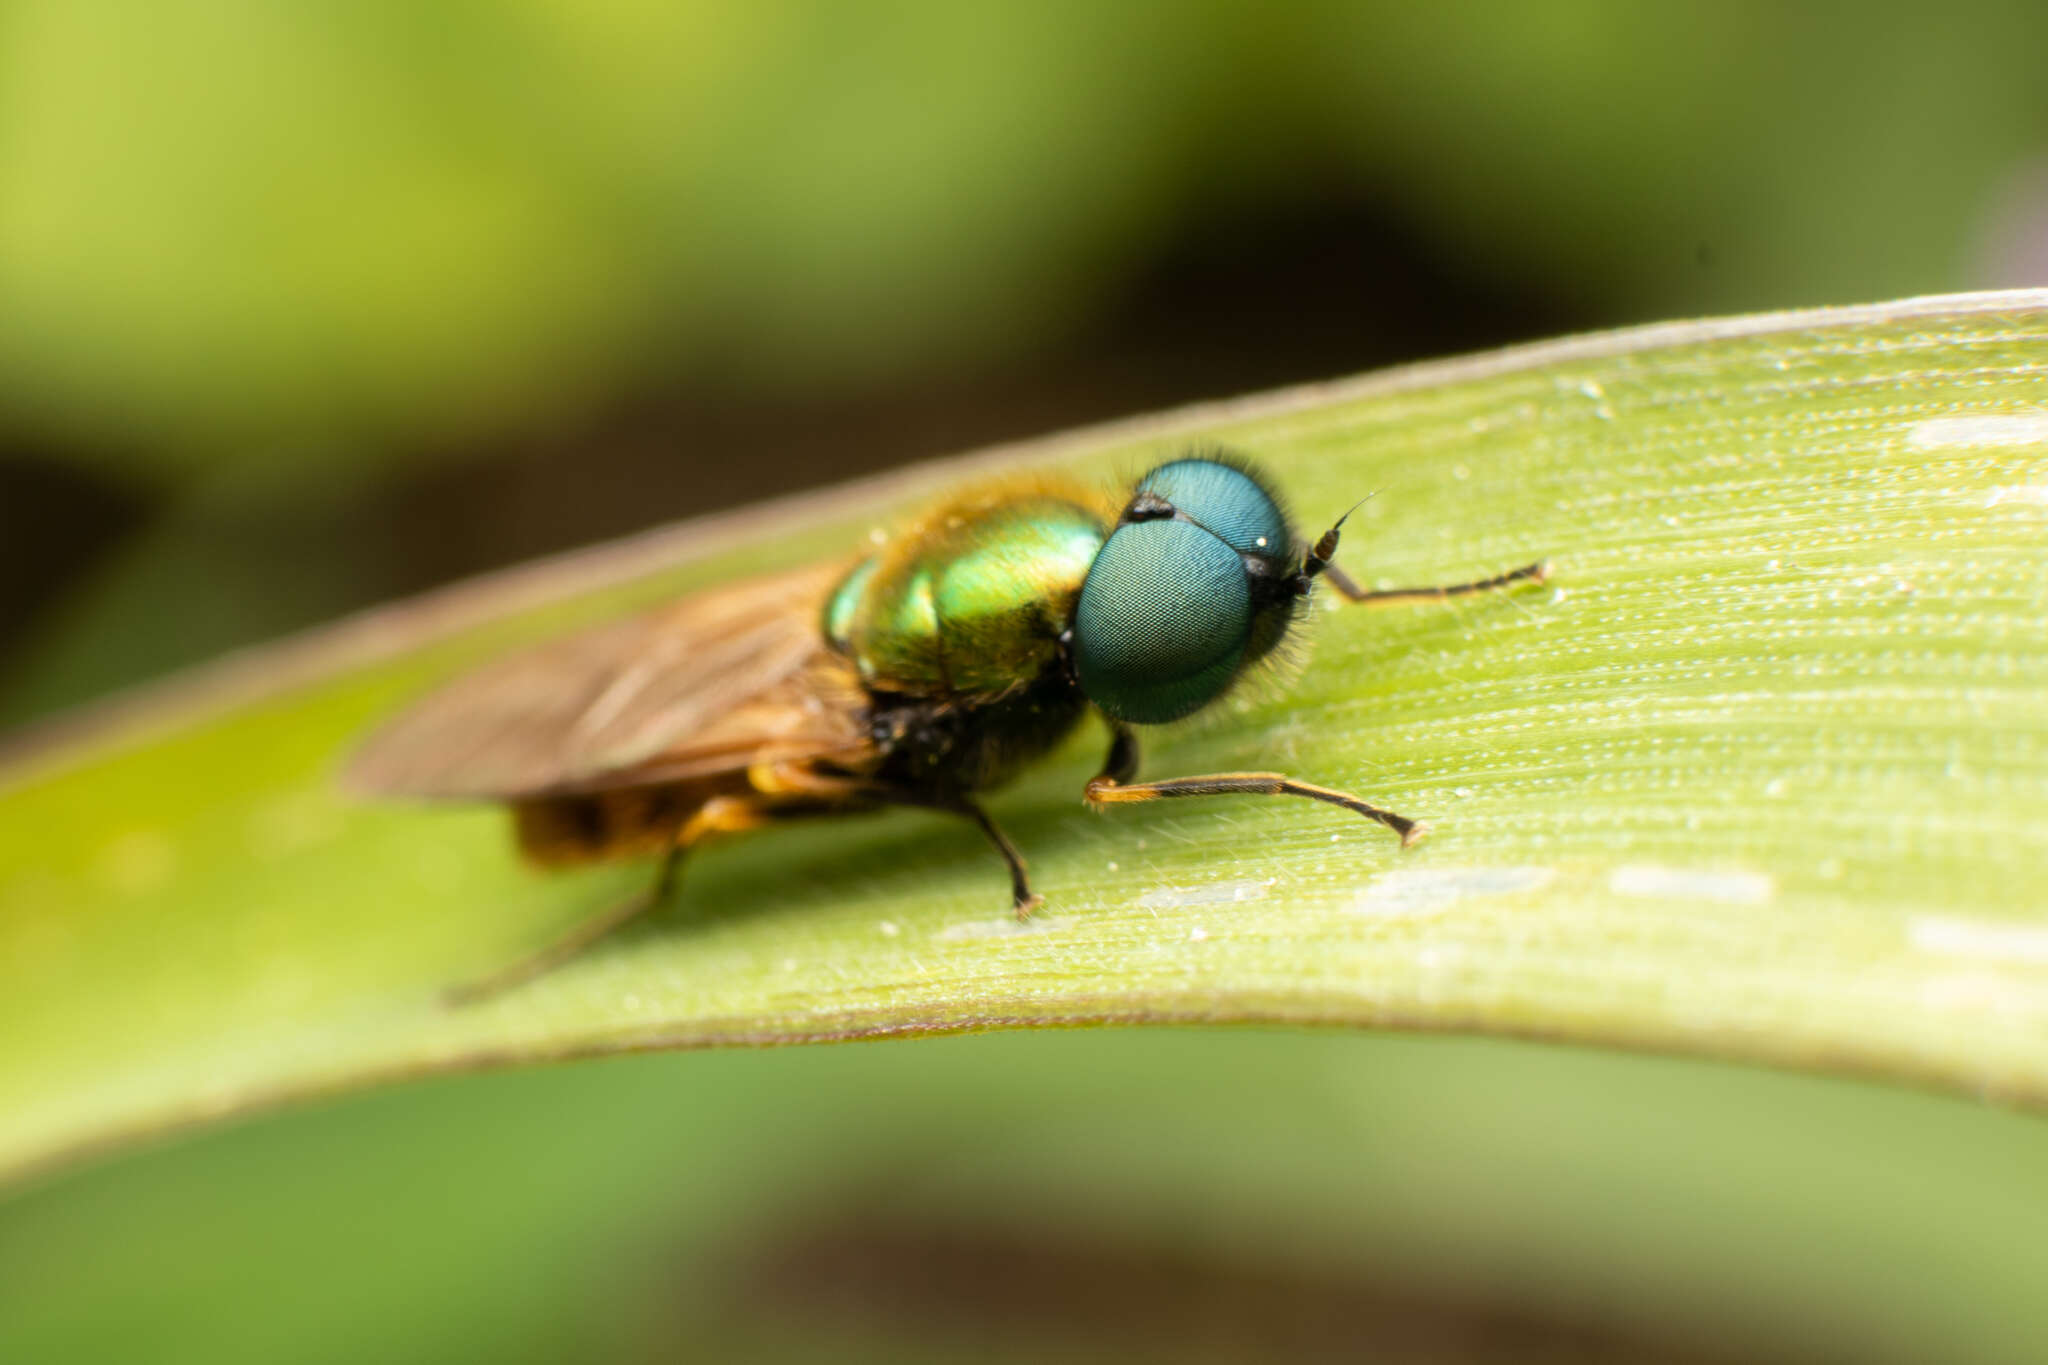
column 799, row 779
column 1120, row 765
column 575, row 941
column 719, row 815
column 1113, row 785
column 1023, row 900
column 1385, row 597
column 1102, row 791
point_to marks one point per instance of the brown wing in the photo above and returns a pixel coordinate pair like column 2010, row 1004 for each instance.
column 706, row 684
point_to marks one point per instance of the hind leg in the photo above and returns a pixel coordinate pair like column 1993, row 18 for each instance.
column 719, row 815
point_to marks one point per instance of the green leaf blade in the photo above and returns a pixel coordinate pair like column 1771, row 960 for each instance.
column 1761, row 773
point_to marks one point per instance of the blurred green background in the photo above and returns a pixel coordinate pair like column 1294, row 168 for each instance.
column 306, row 305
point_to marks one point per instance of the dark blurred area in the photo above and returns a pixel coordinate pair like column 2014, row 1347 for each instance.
column 309, row 306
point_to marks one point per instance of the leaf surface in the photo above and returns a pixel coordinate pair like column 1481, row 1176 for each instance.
column 1762, row 772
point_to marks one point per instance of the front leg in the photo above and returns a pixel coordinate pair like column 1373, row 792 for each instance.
column 1120, row 764
column 1113, row 784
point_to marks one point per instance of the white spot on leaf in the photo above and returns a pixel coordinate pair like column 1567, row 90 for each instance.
column 1426, row 890
column 1980, row 992
column 1678, row 883
column 1002, row 928
column 1216, row 893
column 2002, row 942
column 1996, row 429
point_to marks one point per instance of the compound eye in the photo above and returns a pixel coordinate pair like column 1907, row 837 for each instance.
column 1229, row 503
column 1162, row 623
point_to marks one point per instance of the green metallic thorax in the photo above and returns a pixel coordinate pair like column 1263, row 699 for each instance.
column 971, row 601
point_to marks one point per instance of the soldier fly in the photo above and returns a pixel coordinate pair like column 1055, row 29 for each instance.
column 928, row 672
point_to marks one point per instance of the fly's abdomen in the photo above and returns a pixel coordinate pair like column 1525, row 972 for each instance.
column 628, row 822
